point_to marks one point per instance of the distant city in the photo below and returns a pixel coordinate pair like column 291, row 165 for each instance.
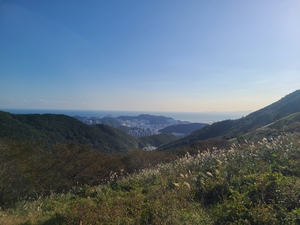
column 137, row 126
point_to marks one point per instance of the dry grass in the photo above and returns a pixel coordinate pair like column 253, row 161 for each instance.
column 250, row 183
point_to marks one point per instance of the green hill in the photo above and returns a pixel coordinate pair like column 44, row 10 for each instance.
column 183, row 128
column 54, row 129
column 231, row 128
column 290, row 123
column 110, row 121
column 156, row 140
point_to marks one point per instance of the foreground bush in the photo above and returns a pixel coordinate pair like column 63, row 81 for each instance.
column 250, row 183
column 28, row 170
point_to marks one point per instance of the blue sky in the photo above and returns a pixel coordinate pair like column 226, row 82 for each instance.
column 148, row 55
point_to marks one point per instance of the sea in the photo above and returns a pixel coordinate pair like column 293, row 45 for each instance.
column 193, row 117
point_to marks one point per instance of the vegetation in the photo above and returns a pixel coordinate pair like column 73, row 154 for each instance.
column 61, row 129
column 229, row 129
column 28, row 170
column 249, row 183
column 248, row 173
column 183, row 128
column 156, row 140
column 110, row 121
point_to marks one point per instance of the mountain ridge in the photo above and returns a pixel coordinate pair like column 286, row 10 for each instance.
column 54, row 129
column 183, row 128
column 228, row 129
column 62, row 129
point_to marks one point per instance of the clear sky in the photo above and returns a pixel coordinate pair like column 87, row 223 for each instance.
column 156, row 55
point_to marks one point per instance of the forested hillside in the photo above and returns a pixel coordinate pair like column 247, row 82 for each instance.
column 289, row 123
column 29, row 170
column 156, row 140
column 231, row 128
column 60, row 129
column 183, row 128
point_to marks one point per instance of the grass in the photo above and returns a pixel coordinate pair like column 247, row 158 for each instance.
column 250, row 183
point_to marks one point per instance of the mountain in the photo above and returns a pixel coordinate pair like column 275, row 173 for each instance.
column 289, row 124
column 110, row 121
column 54, row 129
column 183, row 128
column 152, row 119
column 231, row 128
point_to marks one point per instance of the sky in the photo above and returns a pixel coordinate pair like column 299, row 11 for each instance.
column 158, row 55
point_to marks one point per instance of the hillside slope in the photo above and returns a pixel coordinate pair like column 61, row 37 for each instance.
column 246, row 184
column 288, row 124
column 183, row 128
column 156, row 140
column 53, row 129
column 231, row 128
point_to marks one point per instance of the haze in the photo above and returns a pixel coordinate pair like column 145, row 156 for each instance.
column 148, row 55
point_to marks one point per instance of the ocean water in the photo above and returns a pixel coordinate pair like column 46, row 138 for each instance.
column 201, row 117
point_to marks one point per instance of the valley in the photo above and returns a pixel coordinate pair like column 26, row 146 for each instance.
column 233, row 171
